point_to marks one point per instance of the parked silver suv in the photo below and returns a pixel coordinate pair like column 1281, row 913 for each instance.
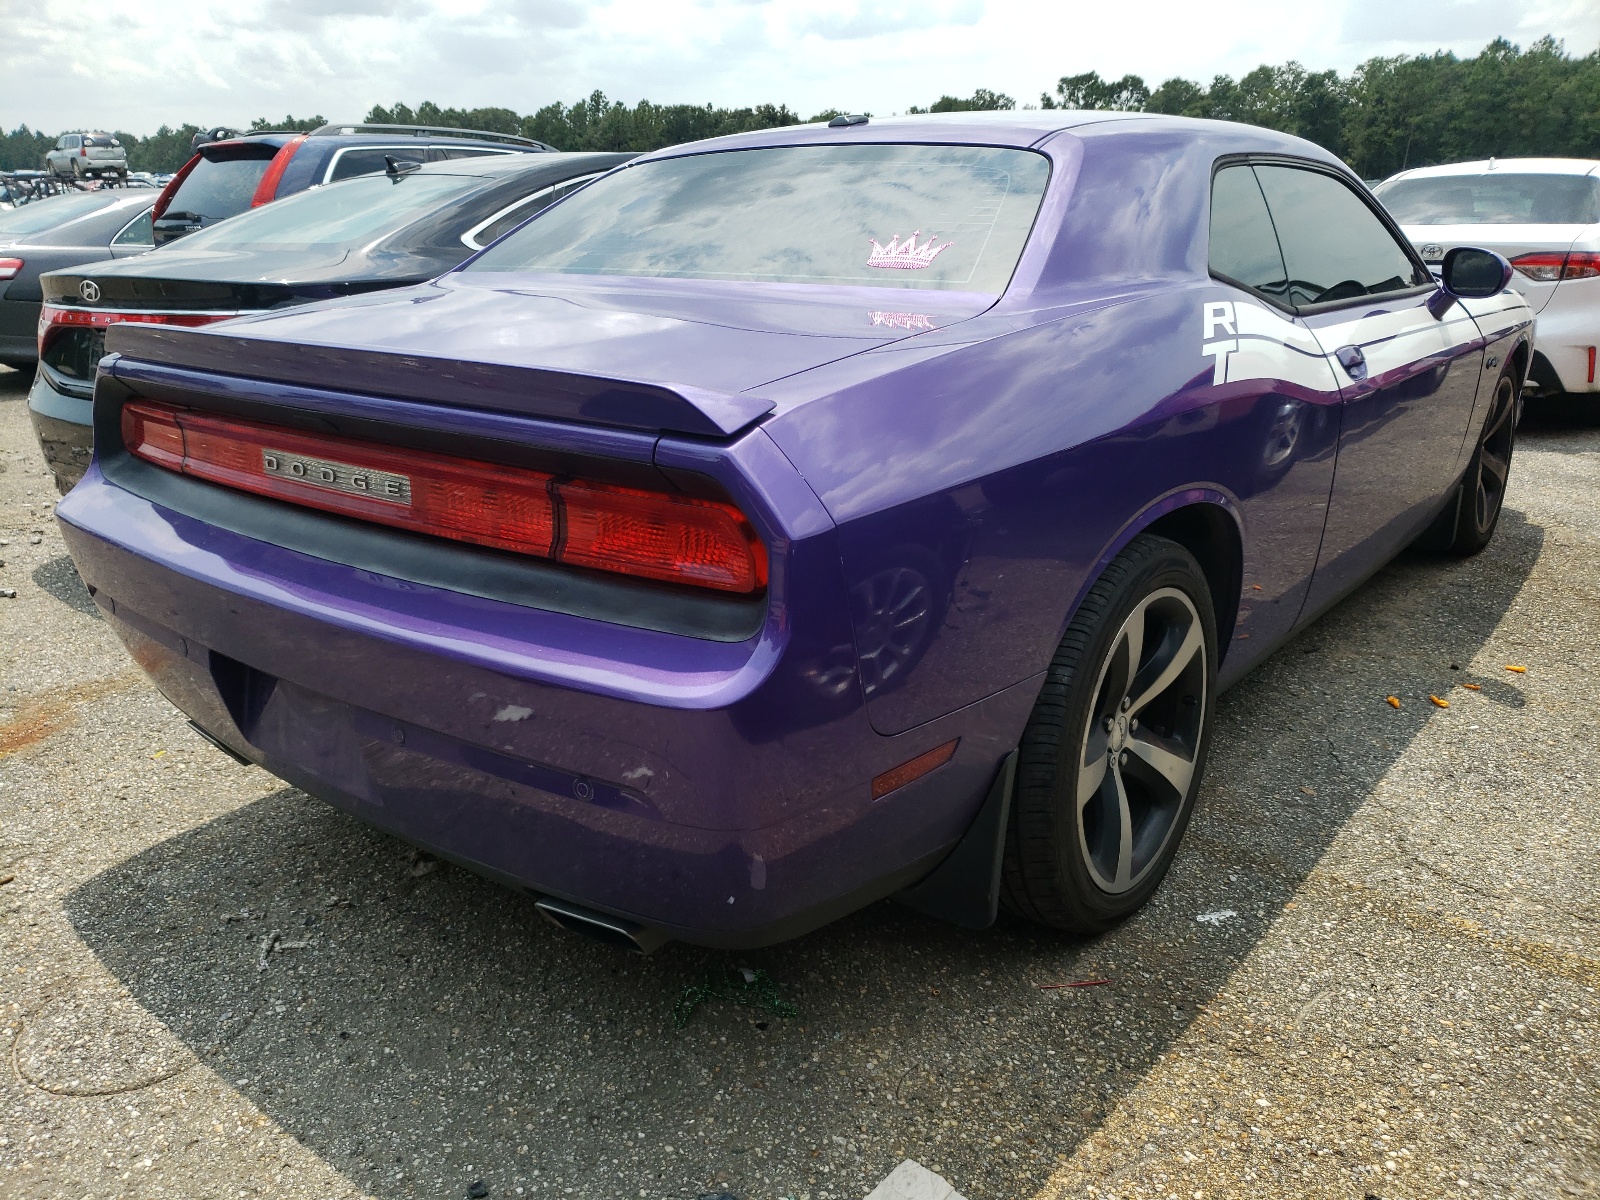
column 87, row 156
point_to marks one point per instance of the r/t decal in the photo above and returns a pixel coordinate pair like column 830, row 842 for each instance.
column 1214, row 317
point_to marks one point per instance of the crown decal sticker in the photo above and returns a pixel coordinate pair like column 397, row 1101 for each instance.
column 906, row 255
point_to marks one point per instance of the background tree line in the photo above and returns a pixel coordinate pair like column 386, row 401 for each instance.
column 1386, row 114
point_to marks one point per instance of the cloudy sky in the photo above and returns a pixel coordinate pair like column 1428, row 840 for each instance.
column 136, row 64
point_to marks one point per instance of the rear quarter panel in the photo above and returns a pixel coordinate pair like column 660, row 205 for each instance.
column 1010, row 471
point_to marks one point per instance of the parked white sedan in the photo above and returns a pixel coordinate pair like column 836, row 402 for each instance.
column 1541, row 213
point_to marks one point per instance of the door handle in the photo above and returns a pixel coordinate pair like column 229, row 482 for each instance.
column 1352, row 360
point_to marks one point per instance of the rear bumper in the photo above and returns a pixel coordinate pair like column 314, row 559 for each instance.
column 1566, row 329
column 719, row 792
column 63, row 426
column 19, row 330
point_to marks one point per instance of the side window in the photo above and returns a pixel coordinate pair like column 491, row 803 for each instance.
column 1334, row 246
column 1244, row 246
column 449, row 152
column 509, row 220
column 368, row 160
column 136, row 232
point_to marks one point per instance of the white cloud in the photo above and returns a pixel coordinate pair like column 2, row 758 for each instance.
column 225, row 63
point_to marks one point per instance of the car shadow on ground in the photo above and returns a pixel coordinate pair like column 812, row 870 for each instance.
column 59, row 578
column 14, row 384
column 421, row 1028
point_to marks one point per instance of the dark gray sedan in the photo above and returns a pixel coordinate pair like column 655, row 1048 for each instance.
column 52, row 235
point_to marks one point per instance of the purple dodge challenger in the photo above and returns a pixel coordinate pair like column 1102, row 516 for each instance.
column 802, row 518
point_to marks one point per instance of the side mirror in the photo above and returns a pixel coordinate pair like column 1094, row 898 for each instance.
column 1468, row 273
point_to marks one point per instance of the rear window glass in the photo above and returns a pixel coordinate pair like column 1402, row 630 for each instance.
column 931, row 217
column 1493, row 200
column 341, row 214
column 47, row 214
column 215, row 190
column 100, row 139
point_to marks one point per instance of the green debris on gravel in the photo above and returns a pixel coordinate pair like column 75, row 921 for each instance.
column 754, row 989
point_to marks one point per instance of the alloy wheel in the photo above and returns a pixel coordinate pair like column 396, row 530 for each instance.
column 1141, row 744
column 1494, row 456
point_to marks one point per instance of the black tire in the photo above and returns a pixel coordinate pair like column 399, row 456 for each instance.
column 1058, row 861
column 1467, row 524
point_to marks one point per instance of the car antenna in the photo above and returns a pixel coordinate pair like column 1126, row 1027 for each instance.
column 395, row 167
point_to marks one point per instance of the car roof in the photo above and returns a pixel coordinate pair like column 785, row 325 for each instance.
column 1509, row 166
column 1010, row 128
column 501, row 166
column 369, row 137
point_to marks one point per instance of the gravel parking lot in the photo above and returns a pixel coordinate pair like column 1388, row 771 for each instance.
column 1373, row 971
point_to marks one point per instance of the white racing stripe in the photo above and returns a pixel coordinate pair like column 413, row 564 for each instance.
column 1252, row 341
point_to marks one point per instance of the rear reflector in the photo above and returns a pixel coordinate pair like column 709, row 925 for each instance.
column 909, row 772
column 650, row 535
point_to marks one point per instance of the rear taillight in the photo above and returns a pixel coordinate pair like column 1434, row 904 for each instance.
column 53, row 319
column 267, row 189
column 631, row 531
column 1581, row 264
column 83, row 150
column 1548, row 266
column 9, row 268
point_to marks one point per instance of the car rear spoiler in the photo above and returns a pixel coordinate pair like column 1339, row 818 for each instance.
column 532, row 391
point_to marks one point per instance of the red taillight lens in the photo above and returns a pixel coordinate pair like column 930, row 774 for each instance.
column 659, row 536
column 1546, row 268
column 1549, row 266
column 1581, row 264
column 153, row 434
column 267, row 190
column 53, row 319
column 83, row 151
column 678, row 539
column 9, row 268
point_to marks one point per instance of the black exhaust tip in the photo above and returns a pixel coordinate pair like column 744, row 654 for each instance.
column 614, row 931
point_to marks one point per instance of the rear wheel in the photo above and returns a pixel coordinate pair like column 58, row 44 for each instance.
column 1113, row 753
column 1467, row 524
column 1483, row 491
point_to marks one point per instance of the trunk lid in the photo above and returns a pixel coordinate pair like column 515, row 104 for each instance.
column 659, row 355
column 1433, row 241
